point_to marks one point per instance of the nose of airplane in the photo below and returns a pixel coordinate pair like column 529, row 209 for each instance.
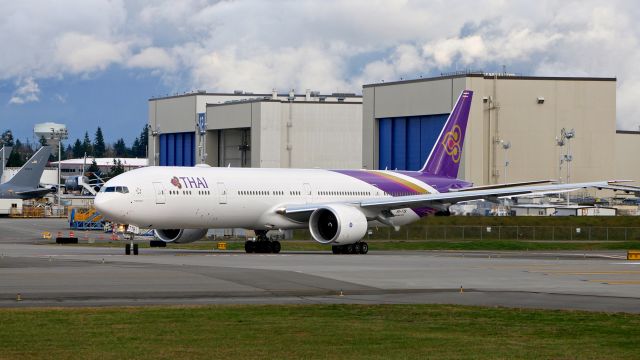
column 101, row 204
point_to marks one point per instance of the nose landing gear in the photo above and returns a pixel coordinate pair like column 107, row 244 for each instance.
column 262, row 244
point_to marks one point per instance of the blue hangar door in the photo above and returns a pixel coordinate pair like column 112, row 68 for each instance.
column 178, row 149
column 405, row 142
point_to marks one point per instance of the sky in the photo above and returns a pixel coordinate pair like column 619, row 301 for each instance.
column 90, row 63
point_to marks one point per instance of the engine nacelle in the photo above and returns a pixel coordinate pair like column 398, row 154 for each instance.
column 337, row 224
column 180, row 236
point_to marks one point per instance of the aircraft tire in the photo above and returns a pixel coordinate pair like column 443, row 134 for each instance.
column 357, row 248
column 135, row 249
column 349, row 249
column 364, row 248
column 127, row 249
column 335, row 249
column 276, row 247
column 249, row 247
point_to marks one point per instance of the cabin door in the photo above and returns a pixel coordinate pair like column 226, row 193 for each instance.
column 159, row 190
column 222, row 193
column 307, row 193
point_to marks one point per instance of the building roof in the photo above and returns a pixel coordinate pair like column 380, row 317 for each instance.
column 255, row 95
column 259, row 100
column 499, row 76
column 133, row 162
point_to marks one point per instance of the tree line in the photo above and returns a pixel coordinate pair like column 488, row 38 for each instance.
column 97, row 148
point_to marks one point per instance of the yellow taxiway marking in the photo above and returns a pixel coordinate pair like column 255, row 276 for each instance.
column 617, row 282
column 613, row 272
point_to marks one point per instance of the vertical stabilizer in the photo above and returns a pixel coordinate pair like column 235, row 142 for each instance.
column 30, row 173
column 4, row 157
column 444, row 159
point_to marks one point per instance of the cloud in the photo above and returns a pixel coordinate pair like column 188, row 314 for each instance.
column 152, row 58
column 330, row 45
column 27, row 91
column 81, row 53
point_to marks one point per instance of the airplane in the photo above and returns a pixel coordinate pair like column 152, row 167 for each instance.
column 337, row 206
column 25, row 184
column 4, row 155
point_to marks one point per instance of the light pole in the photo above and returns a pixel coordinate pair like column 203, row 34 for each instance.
column 565, row 136
column 57, row 135
column 506, row 145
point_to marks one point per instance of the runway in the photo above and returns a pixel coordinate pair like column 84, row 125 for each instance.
column 51, row 275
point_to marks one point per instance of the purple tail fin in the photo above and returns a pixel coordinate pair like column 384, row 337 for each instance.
column 444, row 159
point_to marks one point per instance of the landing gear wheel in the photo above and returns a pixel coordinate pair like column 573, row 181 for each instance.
column 135, row 249
column 249, row 246
column 357, row 248
column 364, row 248
column 275, row 247
column 127, row 249
column 349, row 249
column 336, row 249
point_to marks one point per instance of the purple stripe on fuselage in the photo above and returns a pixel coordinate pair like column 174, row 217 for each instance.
column 392, row 187
column 383, row 183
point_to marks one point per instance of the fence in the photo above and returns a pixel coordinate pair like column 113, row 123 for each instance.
column 522, row 233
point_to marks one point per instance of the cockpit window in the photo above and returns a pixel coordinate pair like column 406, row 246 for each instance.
column 120, row 189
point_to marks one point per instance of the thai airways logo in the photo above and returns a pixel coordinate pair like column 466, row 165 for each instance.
column 189, row 182
column 176, row 182
column 451, row 143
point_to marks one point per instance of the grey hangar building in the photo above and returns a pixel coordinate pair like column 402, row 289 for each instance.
column 512, row 135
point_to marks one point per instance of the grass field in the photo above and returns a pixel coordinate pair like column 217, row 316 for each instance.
column 316, row 331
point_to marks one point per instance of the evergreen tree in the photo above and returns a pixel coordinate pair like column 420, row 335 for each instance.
column 99, row 146
column 7, row 138
column 16, row 159
column 144, row 142
column 135, row 148
column 86, row 145
column 43, row 141
column 67, row 153
column 78, row 149
column 120, row 148
column 116, row 169
column 93, row 168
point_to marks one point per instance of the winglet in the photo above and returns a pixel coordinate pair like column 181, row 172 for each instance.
column 30, row 173
column 444, row 159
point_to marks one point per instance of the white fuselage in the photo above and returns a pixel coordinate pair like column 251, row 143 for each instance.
column 205, row 197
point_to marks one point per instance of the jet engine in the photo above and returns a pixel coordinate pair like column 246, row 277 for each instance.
column 337, row 224
column 180, row 236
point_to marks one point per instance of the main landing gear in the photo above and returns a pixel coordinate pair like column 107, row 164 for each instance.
column 262, row 244
column 360, row 247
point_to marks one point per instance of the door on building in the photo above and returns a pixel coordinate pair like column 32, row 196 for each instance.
column 159, row 189
column 234, row 147
column 222, row 193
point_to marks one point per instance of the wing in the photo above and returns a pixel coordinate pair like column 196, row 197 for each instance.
column 374, row 207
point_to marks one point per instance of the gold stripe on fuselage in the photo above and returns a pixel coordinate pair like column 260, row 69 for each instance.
column 401, row 181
